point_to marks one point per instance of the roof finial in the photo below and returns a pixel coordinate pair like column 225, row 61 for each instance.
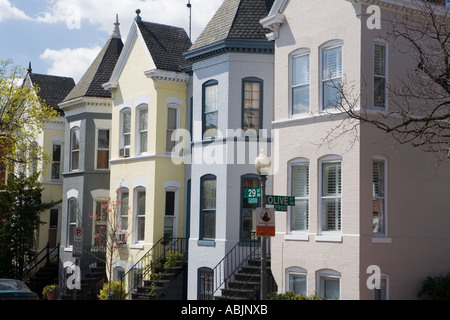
column 138, row 17
column 116, row 31
column 29, row 68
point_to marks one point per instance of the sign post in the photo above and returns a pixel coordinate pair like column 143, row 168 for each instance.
column 77, row 242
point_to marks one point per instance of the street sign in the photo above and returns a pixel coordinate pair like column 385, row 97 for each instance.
column 280, row 203
column 253, row 200
column 252, row 193
column 265, row 222
column 77, row 242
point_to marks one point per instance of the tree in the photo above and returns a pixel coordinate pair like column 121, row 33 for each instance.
column 22, row 115
column 419, row 105
column 20, row 208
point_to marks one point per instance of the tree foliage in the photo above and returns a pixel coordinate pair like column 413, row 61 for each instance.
column 22, row 115
column 20, row 208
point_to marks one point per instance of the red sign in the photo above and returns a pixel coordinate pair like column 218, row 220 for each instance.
column 265, row 222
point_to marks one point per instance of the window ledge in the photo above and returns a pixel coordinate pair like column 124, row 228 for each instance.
column 329, row 238
column 139, row 246
column 206, row 243
column 296, row 237
column 381, row 240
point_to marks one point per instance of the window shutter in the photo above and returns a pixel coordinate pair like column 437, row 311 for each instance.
column 300, row 178
column 332, row 64
column 301, row 70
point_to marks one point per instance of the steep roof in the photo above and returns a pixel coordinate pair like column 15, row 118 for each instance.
column 53, row 89
column 100, row 70
column 166, row 44
column 236, row 20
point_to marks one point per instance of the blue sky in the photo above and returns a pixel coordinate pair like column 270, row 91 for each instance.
column 62, row 37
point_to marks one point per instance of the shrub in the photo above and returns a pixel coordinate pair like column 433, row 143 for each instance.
column 290, row 295
column 436, row 288
column 117, row 291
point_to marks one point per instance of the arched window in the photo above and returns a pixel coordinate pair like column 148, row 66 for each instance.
column 331, row 74
column 252, row 104
column 300, row 81
column 299, row 188
column 210, row 109
column 142, row 129
column 75, row 149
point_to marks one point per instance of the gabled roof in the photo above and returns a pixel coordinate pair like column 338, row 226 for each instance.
column 235, row 20
column 100, row 70
column 53, row 89
column 166, row 44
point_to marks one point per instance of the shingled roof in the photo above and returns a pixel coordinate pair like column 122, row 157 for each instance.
column 100, row 70
column 53, row 89
column 236, row 20
column 166, row 44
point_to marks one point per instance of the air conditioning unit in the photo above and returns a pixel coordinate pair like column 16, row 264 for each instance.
column 121, row 238
column 124, row 152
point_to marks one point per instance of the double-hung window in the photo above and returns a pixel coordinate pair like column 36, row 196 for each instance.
column 300, row 83
column 332, row 72
column 75, row 149
column 378, row 192
column 329, row 284
column 103, row 149
column 210, row 109
column 124, row 208
column 379, row 75
column 140, row 215
column 252, row 106
column 72, row 220
column 331, row 194
column 100, row 222
column 172, row 126
column 300, row 190
column 142, row 133
column 125, row 132
column 208, row 208
column 56, row 162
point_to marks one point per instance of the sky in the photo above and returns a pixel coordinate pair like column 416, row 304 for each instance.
column 63, row 37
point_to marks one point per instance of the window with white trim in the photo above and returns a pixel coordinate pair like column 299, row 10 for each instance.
column 331, row 196
column 210, row 109
column 299, row 215
column 252, row 103
column 139, row 209
column 300, row 82
column 75, row 149
column 100, row 222
column 72, row 220
column 379, row 75
column 102, row 149
column 142, row 127
column 172, row 126
column 378, row 194
column 56, row 162
column 125, row 132
column 296, row 279
column 331, row 75
column 329, row 284
column 124, row 209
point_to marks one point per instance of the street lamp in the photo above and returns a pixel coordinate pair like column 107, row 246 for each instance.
column 262, row 165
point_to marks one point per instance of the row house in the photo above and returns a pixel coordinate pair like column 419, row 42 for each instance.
column 364, row 204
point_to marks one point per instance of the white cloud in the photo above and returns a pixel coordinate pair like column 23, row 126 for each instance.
column 8, row 11
column 70, row 62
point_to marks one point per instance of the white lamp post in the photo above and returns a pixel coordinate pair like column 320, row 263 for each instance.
column 262, row 165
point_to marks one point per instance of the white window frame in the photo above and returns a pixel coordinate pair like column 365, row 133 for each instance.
column 324, row 275
column 97, row 129
column 297, row 54
column 296, row 271
column 72, row 130
column 138, row 216
column 61, row 157
column 333, row 44
column 138, row 129
column 329, row 235
column 176, row 107
column 297, row 234
column 122, row 134
column 380, row 42
column 172, row 186
column 70, row 223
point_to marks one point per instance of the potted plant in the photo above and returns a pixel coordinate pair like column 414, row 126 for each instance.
column 50, row 292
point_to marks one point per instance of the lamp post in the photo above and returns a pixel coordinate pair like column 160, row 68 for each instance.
column 262, row 165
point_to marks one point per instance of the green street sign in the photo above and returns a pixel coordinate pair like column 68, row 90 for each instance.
column 280, row 203
column 252, row 193
column 252, row 200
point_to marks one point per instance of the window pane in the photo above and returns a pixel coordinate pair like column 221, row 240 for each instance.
column 141, row 229
column 379, row 92
column 379, row 64
column 331, row 179
column 172, row 118
column 209, row 209
column 124, row 209
column 170, row 203
column 300, row 178
column 144, row 140
column 331, row 93
column 73, row 206
column 126, row 122
column 331, row 214
column 297, row 283
column 252, row 94
column 300, row 70
column 332, row 63
column 56, row 169
column 211, row 98
column 211, row 123
column 56, row 156
column 209, row 224
column 103, row 139
column 143, row 119
column 251, row 122
column 75, row 139
column 330, row 288
column 247, row 209
column 141, row 203
column 75, row 160
column 299, row 215
column 300, row 99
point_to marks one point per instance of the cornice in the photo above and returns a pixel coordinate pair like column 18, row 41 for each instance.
column 167, row 76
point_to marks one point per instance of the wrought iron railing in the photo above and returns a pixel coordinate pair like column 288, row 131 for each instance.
column 44, row 257
column 151, row 263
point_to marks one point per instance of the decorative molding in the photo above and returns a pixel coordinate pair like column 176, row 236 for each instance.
column 168, row 76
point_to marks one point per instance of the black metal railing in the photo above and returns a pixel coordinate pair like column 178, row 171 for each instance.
column 152, row 262
column 231, row 264
column 41, row 259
